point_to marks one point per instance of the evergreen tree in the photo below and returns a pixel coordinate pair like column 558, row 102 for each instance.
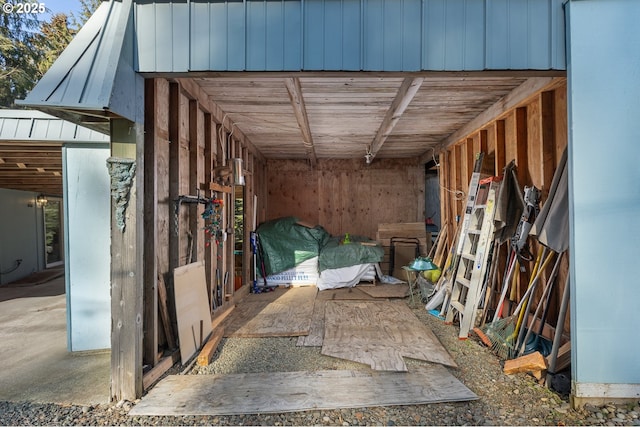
column 53, row 38
column 19, row 57
column 87, row 7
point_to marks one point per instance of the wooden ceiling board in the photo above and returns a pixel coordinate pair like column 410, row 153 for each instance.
column 28, row 166
column 346, row 112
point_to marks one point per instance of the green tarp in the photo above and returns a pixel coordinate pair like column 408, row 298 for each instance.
column 336, row 254
column 285, row 243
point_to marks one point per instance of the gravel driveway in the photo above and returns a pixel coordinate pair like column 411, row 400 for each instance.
column 503, row 400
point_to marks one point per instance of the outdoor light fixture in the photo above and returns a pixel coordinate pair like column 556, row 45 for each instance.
column 368, row 157
column 41, row 200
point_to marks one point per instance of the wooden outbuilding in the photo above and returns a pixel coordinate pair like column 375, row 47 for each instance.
column 336, row 112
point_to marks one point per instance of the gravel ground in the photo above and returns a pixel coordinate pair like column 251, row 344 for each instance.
column 503, row 400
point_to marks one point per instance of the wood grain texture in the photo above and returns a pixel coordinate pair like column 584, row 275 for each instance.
column 281, row 313
column 255, row 393
column 316, row 332
column 387, row 291
column 192, row 308
column 380, row 334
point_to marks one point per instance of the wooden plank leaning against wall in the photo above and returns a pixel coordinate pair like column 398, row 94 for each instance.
column 534, row 134
column 185, row 140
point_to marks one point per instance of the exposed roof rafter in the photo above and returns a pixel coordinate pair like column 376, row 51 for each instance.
column 404, row 96
column 297, row 102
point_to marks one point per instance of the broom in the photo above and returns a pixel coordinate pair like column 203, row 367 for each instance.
column 502, row 333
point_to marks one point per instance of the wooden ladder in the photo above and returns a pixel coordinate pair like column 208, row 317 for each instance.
column 476, row 242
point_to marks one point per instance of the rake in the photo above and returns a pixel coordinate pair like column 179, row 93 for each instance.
column 502, row 334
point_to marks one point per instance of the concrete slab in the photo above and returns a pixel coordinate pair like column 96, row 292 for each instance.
column 37, row 367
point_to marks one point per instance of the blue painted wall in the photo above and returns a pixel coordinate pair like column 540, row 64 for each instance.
column 604, row 183
column 349, row 35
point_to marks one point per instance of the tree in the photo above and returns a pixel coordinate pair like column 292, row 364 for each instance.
column 87, row 7
column 53, row 38
column 18, row 56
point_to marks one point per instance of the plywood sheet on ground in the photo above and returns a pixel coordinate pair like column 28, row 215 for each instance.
column 379, row 334
column 316, row 333
column 343, row 294
column 255, row 393
column 387, row 291
column 284, row 312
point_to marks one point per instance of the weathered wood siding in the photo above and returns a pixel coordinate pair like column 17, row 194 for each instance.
column 185, row 141
column 347, row 196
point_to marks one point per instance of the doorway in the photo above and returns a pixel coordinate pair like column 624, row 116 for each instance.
column 238, row 228
column 53, row 233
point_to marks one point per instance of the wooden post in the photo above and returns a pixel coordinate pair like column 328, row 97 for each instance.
column 126, row 260
column 150, row 324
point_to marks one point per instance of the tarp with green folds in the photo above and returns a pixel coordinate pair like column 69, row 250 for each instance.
column 335, row 254
column 285, row 244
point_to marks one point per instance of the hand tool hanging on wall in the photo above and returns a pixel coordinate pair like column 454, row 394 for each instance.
column 212, row 215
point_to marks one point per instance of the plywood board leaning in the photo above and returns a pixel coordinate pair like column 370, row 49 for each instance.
column 379, row 334
column 254, row 393
column 192, row 308
column 282, row 313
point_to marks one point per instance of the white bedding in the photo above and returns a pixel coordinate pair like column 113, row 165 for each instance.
column 346, row 277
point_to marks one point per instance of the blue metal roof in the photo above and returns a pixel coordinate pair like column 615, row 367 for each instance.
column 28, row 125
column 94, row 71
column 96, row 74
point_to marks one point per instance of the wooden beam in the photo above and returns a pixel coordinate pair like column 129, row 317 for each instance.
column 174, row 172
column 404, row 96
column 515, row 98
column 214, row 186
column 205, row 355
column 164, row 312
column 157, row 371
column 127, row 287
column 150, row 352
column 299, row 109
column 218, row 114
column 193, row 177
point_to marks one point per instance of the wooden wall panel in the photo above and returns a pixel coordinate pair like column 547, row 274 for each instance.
column 534, row 143
column 534, row 134
column 347, row 195
column 164, row 211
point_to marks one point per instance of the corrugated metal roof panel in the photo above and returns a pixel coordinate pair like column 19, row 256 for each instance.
column 29, row 125
column 90, row 73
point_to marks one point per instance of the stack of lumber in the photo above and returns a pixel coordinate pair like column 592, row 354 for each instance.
column 404, row 253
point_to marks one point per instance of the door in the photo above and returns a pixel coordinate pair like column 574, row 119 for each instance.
column 53, row 233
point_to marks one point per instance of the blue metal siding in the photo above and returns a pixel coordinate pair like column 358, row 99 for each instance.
column 350, row 35
column 332, row 34
column 525, row 34
column 603, row 117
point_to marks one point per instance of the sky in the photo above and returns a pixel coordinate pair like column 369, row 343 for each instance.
column 61, row 6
